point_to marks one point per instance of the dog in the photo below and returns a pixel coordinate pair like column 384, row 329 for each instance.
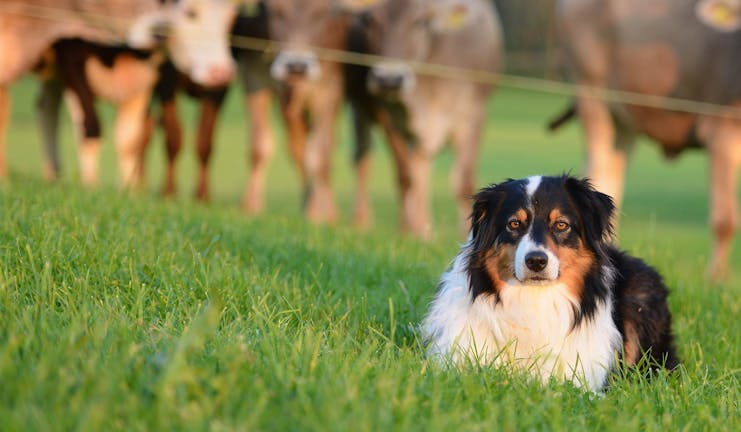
column 538, row 286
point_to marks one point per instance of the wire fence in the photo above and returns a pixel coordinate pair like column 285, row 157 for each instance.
column 516, row 81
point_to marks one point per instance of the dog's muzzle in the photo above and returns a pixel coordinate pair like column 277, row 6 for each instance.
column 534, row 262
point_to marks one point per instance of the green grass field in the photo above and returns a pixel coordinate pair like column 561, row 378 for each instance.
column 133, row 313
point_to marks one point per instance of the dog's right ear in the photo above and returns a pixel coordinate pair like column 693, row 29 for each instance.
column 486, row 204
column 479, row 211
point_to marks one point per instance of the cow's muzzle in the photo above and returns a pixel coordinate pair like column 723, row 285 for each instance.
column 391, row 79
column 295, row 64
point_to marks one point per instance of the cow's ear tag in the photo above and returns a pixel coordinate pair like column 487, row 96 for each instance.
column 722, row 15
column 358, row 5
column 246, row 7
column 453, row 16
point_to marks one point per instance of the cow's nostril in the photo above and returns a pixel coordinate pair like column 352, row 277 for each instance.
column 390, row 82
column 394, row 81
column 536, row 261
column 220, row 75
column 297, row 68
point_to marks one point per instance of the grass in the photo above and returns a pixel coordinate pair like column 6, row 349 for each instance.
column 133, row 313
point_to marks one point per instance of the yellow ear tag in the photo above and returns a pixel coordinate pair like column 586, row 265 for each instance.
column 723, row 15
column 360, row 4
column 457, row 17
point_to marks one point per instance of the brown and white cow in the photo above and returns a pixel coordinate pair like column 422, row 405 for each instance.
column 686, row 49
column 196, row 39
column 421, row 112
column 254, row 74
column 313, row 91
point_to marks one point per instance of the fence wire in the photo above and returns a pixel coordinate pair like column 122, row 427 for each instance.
column 522, row 82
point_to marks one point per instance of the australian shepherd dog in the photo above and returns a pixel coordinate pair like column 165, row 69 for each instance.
column 538, row 286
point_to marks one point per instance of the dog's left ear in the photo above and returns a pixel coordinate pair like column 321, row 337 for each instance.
column 598, row 207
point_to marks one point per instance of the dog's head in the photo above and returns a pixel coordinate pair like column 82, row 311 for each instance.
column 537, row 231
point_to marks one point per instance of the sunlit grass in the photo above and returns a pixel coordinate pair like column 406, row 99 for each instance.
column 134, row 313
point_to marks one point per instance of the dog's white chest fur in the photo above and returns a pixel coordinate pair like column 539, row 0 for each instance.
column 530, row 329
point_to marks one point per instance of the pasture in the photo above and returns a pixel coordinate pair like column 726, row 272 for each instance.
column 128, row 312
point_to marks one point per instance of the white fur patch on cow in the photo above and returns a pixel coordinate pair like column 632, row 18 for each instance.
column 90, row 161
column 128, row 77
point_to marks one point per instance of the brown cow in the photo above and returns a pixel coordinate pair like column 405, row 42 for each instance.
column 312, row 90
column 196, row 40
column 421, row 112
column 685, row 49
column 254, row 73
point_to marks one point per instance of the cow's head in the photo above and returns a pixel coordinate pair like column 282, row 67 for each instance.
column 301, row 25
column 406, row 30
column 196, row 34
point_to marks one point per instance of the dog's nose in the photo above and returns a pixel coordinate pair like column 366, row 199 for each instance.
column 536, row 261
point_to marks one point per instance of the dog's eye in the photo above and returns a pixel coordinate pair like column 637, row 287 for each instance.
column 561, row 226
column 513, row 224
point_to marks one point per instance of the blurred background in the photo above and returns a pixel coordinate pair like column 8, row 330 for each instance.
column 666, row 204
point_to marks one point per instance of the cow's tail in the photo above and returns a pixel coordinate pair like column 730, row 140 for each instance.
column 558, row 121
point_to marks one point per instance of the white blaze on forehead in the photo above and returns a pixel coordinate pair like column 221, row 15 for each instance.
column 532, row 184
column 524, row 247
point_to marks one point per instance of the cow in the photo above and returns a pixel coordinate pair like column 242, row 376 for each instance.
column 254, row 75
column 312, row 90
column 421, row 112
column 196, row 40
column 683, row 49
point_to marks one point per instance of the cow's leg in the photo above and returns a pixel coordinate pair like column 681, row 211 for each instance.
column 725, row 159
column 416, row 203
column 320, row 205
column 292, row 108
column 361, row 157
column 173, row 143
column 47, row 104
column 210, row 106
column 606, row 163
column 261, row 149
column 466, row 141
column 130, row 122
column 431, row 128
column 4, row 120
column 400, row 151
column 81, row 107
column 146, row 137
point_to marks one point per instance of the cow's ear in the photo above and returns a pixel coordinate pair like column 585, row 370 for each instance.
column 356, row 6
column 452, row 15
column 149, row 30
column 722, row 15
